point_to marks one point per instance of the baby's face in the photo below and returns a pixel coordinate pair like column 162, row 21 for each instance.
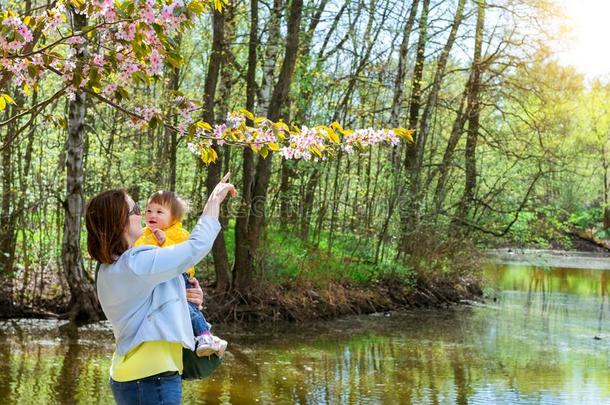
column 157, row 216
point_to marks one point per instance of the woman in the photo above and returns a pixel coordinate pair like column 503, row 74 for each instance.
column 142, row 293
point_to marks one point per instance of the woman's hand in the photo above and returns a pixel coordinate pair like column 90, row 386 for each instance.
column 212, row 207
column 195, row 294
column 223, row 188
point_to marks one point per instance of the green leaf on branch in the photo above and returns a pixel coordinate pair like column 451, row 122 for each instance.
column 8, row 98
column 204, row 125
column 332, row 135
column 32, row 71
column 247, row 114
column 336, row 126
column 218, row 4
column 315, row 150
column 212, row 155
column 259, row 120
column 264, row 152
column 196, row 7
column 404, row 133
column 140, row 77
column 154, row 122
column 175, row 62
column 123, row 93
column 208, row 155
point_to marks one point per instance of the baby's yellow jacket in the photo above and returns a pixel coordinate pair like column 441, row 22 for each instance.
column 173, row 235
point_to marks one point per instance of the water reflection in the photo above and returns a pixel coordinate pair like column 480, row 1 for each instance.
column 534, row 344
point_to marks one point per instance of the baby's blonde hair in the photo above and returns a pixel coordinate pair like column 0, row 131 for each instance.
column 177, row 206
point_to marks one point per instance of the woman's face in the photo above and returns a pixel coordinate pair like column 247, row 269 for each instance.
column 133, row 230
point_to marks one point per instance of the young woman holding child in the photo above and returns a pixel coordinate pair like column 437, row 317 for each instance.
column 142, row 292
column 163, row 218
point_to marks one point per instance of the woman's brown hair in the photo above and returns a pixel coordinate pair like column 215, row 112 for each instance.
column 106, row 217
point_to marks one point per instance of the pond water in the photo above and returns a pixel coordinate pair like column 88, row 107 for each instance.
column 542, row 338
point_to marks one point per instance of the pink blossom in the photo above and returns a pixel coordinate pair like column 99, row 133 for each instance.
column 155, row 60
column 111, row 15
column 235, row 121
column 71, row 92
column 53, row 20
column 147, row 14
column 219, row 131
column 98, row 60
column 349, row 149
column 127, row 32
column 25, row 33
column 77, row 40
column 109, row 89
column 14, row 45
column 132, row 68
column 36, row 60
column 286, row 152
column 167, row 12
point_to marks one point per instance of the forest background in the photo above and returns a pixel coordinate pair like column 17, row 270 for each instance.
column 510, row 148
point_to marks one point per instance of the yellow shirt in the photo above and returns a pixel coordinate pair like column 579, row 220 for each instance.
column 147, row 359
column 174, row 234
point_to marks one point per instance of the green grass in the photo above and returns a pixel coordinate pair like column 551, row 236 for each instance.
column 283, row 257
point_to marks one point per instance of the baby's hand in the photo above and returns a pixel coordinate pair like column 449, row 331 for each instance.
column 160, row 235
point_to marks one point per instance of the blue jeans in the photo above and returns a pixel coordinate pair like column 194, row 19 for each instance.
column 162, row 389
column 200, row 325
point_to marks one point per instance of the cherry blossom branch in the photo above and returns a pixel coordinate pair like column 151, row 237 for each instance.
column 34, row 112
column 63, row 38
column 32, row 109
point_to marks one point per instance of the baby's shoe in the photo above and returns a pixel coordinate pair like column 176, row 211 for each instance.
column 206, row 345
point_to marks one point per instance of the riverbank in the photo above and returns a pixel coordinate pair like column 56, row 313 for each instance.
column 299, row 281
column 305, row 301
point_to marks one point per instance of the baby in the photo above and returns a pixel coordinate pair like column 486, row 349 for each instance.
column 163, row 216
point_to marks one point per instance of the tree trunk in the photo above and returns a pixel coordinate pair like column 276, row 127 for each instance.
column 242, row 267
column 288, row 171
column 23, row 187
column 473, row 120
column 408, row 219
column 271, row 51
column 171, row 138
column 219, row 249
column 9, row 215
column 84, row 305
column 415, row 102
column 8, row 218
column 456, row 133
column 433, row 94
column 256, row 213
column 401, row 74
column 334, row 204
column 287, row 214
column 605, row 165
column 308, row 200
